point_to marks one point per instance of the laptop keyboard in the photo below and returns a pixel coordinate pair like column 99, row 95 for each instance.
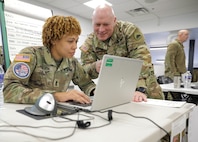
column 79, row 104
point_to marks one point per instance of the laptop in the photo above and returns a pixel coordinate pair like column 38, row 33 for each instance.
column 115, row 86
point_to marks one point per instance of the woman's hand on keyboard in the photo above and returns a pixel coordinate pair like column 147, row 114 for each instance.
column 75, row 95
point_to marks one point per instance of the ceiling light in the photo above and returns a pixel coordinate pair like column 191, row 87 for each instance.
column 150, row 1
column 158, row 48
column 94, row 3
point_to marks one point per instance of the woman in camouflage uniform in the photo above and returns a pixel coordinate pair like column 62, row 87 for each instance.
column 49, row 68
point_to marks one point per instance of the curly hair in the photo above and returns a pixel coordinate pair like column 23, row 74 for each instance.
column 57, row 26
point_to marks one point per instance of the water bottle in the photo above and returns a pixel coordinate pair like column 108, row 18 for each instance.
column 1, row 86
column 187, row 80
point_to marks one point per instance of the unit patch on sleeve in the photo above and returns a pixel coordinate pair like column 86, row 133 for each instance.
column 21, row 70
column 137, row 36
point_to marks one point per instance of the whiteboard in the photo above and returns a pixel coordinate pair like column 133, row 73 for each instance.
column 23, row 25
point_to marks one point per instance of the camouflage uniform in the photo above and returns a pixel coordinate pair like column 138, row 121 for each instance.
column 175, row 64
column 126, row 41
column 1, row 56
column 175, row 59
column 35, row 72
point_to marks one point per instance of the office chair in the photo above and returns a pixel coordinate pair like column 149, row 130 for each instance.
column 164, row 80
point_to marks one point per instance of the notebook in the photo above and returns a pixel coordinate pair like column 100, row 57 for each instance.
column 116, row 83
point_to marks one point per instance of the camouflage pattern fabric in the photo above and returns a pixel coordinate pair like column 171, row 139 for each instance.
column 1, row 56
column 126, row 41
column 34, row 72
column 175, row 59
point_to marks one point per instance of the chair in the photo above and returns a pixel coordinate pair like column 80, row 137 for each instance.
column 164, row 80
column 177, row 96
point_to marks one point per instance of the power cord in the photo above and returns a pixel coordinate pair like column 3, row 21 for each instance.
column 79, row 123
column 37, row 136
column 142, row 117
column 69, row 119
column 82, row 125
column 110, row 118
column 100, row 126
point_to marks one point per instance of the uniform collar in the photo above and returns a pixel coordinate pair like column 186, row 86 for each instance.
column 48, row 57
column 50, row 60
column 179, row 42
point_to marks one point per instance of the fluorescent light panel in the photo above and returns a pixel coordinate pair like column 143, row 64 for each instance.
column 159, row 61
column 94, row 3
column 158, row 48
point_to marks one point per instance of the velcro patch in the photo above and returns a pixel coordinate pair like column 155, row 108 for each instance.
column 21, row 70
column 84, row 48
column 22, row 58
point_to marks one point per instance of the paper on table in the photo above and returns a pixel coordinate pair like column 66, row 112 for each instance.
column 166, row 103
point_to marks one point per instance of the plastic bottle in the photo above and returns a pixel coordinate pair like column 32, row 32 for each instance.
column 1, row 86
column 188, row 79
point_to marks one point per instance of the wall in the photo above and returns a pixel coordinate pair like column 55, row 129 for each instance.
column 186, row 21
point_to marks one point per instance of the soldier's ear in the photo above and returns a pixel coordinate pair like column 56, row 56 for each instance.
column 45, row 105
column 53, row 42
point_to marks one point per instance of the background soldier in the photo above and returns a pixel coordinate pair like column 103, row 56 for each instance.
column 175, row 59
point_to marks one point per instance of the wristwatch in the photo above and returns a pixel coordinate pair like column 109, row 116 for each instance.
column 141, row 89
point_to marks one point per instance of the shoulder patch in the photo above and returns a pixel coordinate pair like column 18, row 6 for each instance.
column 137, row 36
column 22, row 58
column 84, row 48
column 21, row 70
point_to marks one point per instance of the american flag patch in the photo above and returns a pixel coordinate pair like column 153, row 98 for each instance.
column 22, row 58
column 84, row 48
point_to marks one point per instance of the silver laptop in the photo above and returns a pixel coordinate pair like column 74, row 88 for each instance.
column 116, row 83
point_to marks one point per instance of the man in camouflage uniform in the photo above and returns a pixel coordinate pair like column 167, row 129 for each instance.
column 49, row 68
column 175, row 60
column 121, row 39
